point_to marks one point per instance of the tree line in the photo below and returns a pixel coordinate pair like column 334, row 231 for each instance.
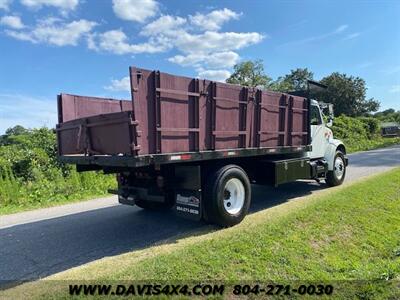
column 346, row 92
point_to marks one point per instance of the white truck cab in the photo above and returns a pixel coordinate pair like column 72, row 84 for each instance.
column 324, row 146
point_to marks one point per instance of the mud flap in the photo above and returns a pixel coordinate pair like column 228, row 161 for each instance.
column 188, row 192
column 188, row 204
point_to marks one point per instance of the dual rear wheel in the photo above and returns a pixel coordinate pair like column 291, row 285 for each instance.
column 227, row 195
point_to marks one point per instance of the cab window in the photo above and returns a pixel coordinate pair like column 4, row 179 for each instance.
column 315, row 115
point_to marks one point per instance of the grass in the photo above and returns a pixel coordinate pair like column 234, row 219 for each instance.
column 347, row 233
column 18, row 196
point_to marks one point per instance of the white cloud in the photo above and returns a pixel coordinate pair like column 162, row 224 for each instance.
column 122, row 85
column 395, row 89
column 64, row 5
column 222, row 59
column 52, row 31
column 207, row 49
column 391, row 70
column 351, row 36
column 22, row 36
column 17, row 109
column 12, row 22
column 365, row 65
column 195, row 38
column 210, row 52
column 116, row 41
column 5, row 4
column 211, row 41
column 341, row 28
column 163, row 25
column 213, row 20
column 216, row 75
column 171, row 29
column 135, row 10
column 215, row 60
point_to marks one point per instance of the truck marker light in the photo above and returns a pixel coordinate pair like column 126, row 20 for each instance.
column 180, row 157
column 175, row 157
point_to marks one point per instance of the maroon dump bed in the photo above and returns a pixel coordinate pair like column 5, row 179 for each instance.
column 170, row 114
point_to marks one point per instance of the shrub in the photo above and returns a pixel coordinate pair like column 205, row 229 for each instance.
column 31, row 175
column 360, row 133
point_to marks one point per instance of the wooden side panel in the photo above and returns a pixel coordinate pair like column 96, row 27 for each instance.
column 71, row 107
column 143, row 104
column 103, row 134
column 170, row 114
column 229, row 109
column 298, row 111
column 272, row 129
column 177, row 109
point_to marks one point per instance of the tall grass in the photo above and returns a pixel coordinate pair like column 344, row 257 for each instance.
column 31, row 176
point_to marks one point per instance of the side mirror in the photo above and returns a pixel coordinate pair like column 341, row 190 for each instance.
column 331, row 115
column 330, row 109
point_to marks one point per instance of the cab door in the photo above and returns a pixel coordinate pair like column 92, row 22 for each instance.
column 319, row 138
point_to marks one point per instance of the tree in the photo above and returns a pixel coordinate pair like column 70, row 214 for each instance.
column 295, row 81
column 348, row 94
column 16, row 130
column 388, row 115
column 12, row 133
column 250, row 73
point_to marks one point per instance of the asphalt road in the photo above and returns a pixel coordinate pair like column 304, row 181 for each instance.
column 43, row 242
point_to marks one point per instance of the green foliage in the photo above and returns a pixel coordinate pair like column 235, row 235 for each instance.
column 30, row 174
column 348, row 94
column 360, row 133
column 295, row 81
column 388, row 115
column 250, row 73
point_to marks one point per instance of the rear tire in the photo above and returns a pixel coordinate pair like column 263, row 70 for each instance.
column 227, row 196
column 336, row 177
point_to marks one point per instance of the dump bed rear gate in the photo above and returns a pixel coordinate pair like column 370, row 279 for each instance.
column 173, row 114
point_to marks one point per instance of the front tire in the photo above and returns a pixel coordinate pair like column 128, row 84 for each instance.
column 227, row 196
column 336, row 177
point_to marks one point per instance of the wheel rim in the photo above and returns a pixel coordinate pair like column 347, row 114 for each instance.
column 339, row 168
column 234, row 195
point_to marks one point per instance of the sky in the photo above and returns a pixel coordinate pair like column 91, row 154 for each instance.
column 85, row 47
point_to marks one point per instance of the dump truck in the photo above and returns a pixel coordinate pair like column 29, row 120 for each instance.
column 197, row 145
